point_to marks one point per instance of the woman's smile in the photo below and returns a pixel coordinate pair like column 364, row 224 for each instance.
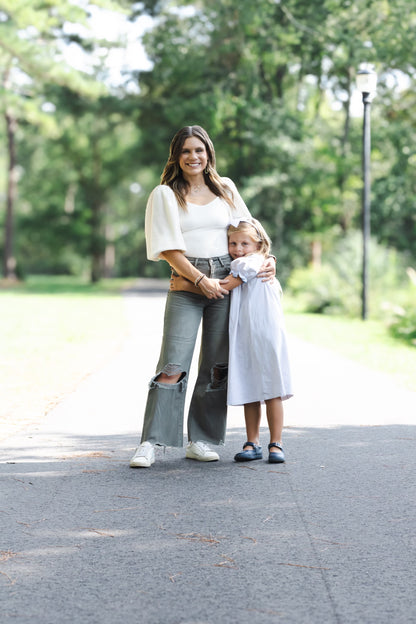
column 194, row 156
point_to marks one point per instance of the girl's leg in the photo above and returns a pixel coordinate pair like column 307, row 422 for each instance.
column 252, row 415
column 274, row 411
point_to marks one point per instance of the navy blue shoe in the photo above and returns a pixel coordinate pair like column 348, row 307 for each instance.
column 254, row 453
column 276, row 457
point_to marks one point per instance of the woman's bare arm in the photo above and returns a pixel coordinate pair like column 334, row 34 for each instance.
column 211, row 288
column 177, row 282
column 268, row 270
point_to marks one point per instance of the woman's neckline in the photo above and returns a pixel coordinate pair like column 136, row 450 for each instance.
column 202, row 205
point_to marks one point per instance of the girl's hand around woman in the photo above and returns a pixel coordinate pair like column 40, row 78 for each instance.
column 178, row 283
column 267, row 271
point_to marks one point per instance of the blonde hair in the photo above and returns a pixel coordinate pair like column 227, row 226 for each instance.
column 172, row 174
column 255, row 231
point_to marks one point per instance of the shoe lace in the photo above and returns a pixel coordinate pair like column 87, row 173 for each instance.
column 144, row 449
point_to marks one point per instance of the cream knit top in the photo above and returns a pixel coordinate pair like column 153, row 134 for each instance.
column 200, row 231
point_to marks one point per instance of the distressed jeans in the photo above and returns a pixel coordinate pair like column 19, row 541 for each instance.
column 164, row 414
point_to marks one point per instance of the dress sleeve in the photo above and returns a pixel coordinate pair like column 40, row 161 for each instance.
column 162, row 224
column 241, row 209
column 246, row 267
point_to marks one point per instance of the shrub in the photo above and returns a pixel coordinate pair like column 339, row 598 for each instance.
column 322, row 291
column 336, row 286
column 402, row 321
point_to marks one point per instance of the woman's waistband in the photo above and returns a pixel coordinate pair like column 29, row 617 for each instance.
column 221, row 259
column 215, row 267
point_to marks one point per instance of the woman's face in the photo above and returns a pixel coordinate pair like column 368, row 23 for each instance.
column 193, row 158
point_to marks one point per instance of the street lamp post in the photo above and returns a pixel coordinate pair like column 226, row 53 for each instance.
column 366, row 83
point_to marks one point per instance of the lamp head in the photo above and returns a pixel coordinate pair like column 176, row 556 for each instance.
column 367, row 81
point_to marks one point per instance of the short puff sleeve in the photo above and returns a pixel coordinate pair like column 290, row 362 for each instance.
column 246, row 267
column 162, row 224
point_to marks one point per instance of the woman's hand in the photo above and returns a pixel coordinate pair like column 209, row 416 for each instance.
column 267, row 271
column 210, row 288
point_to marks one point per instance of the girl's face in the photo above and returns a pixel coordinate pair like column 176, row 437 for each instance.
column 193, row 158
column 240, row 244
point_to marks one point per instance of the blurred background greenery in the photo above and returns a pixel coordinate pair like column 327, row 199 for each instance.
column 272, row 81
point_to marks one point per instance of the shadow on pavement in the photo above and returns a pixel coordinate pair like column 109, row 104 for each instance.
column 327, row 537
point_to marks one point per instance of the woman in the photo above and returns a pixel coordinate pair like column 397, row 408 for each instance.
column 186, row 224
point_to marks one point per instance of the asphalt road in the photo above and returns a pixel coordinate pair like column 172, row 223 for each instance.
column 328, row 537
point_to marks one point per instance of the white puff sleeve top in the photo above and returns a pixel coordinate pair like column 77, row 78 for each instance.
column 199, row 231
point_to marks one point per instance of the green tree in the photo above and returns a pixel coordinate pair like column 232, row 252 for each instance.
column 32, row 36
column 76, row 202
column 273, row 84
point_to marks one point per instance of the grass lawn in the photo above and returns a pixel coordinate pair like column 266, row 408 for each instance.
column 54, row 332
column 367, row 342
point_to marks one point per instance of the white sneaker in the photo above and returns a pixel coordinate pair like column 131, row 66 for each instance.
column 144, row 456
column 201, row 452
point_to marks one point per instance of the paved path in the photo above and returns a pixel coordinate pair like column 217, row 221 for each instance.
column 329, row 537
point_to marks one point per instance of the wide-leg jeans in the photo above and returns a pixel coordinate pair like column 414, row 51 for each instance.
column 184, row 311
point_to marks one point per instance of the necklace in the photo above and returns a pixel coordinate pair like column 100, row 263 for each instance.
column 196, row 188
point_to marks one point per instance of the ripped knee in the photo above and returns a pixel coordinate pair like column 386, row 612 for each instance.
column 170, row 374
column 219, row 377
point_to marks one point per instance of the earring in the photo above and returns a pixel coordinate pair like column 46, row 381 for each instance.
column 207, row 169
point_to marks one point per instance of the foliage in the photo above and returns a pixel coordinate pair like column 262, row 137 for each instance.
column 319, row 290
column 273, row 83
column 335, row 287
column 403, row 325
column 33, row 37
column 402, row 315
column 32, row 43
column 368, row 343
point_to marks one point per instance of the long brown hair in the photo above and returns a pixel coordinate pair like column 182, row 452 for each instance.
column 172, row 174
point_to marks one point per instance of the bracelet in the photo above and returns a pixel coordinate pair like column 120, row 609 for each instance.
column 199, row 279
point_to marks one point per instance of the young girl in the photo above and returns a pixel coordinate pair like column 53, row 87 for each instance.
column 258, row 358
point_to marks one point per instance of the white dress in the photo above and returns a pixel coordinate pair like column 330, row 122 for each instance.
column 258, row 359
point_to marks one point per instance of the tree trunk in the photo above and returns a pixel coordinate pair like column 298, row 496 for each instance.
column 9, row 262
column 96, row 243
column 316, row 254
column 342, row 172
column 109, row 252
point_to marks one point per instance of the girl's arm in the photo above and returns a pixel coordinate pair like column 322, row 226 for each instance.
column 177, row 282
column 211, row 288
column 230, row 282
column 267, row 272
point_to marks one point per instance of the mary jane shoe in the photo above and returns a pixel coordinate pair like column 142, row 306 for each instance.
column 249, row 454
column 276, row 457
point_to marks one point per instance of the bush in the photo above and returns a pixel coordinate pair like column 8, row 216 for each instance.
column 322, row 291
column 402, row 321
column 336, row 286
